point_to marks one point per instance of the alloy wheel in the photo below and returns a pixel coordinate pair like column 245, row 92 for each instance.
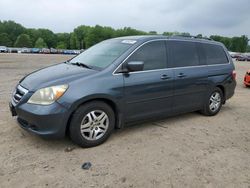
column 215, row 101
column 94, row 125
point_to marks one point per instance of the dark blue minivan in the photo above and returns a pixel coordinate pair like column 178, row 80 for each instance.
column 122, row 81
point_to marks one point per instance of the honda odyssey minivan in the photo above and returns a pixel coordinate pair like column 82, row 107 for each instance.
column 122, row 81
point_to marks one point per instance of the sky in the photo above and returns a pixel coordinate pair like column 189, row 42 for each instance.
column 208, row 17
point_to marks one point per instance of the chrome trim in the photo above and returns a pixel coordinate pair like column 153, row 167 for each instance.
column 168, row 68
column 13, row 98
column 18, row 96
column 22, row 89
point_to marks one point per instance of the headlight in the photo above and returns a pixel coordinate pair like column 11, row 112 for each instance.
column 48, row 95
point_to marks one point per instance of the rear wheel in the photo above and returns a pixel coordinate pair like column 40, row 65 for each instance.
column 92, row 124
column 213, row 103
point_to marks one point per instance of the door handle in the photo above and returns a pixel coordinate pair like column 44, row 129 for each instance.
column 165, row 77
column 181, row 75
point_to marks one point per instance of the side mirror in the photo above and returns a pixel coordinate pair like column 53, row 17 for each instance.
column 134, row 66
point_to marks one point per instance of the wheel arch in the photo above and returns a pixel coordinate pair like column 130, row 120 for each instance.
column 222, row 88
column 107, row 100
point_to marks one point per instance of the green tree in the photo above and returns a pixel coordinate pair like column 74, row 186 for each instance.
column 5, row 40
column 152, row 33
column 176, row 33
column 40, row 43
column 185, row 34
column 12, row 29
column 225, row 40
column 127, row 31
column 34, row 35
column 23, row 40
column 248, row 48
column 97, row 34
column 85, row 36
column 61, row 45
column 48, row 36
column 74, row 43
column 81, row 33
column 63, row 40
column 199, row 36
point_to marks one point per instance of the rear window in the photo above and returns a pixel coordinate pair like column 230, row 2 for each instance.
column 214, row 54
column 183, row 53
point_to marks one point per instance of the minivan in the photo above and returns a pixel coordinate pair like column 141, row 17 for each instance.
column 123, row 81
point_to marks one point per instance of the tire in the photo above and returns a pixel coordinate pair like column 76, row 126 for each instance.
column 215, row 97
column 92, row 124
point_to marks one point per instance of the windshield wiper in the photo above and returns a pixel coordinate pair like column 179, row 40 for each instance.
column 81, row 65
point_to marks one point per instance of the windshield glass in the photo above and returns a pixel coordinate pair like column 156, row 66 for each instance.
column 102, row 54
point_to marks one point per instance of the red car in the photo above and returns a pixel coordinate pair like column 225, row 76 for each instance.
column 247, row 79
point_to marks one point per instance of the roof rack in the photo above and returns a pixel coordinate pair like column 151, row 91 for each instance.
column 192, row 37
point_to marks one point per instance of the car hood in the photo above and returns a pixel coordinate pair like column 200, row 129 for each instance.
column 55, row 75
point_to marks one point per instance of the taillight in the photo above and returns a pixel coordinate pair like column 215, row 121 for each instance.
column 234, row 74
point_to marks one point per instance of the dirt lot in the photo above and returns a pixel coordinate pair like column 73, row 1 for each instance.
column 190, row 150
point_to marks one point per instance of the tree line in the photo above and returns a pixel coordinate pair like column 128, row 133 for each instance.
column 13, row 34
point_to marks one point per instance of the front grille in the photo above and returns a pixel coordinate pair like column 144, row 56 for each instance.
column 19, row 93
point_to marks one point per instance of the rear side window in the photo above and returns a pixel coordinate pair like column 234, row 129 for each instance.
column 214, row 54
column 153, row 54
column 183, row 53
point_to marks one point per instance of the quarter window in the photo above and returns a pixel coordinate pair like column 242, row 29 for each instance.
column 214, row 54
column 153, row 54
column 183, row 53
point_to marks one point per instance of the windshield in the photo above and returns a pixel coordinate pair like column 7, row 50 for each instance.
column 102, row 54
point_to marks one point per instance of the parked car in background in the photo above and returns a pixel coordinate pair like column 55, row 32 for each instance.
column 25, row 50
column 122, row 81
column 35, row 50
column 76, row 52
column 14, row 50
column 3, row 49
column 234, row 54
column 71, row 52
column 60, row 51
column 53, row 51
column 243, row 58
column 247, row 79
column 45, row 51
column 67, row 51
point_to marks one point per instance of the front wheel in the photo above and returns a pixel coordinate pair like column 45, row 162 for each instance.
column 92, row 124
column 213, row 103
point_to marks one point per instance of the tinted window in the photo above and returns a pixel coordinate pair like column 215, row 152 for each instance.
column 202, row 56
column 214, row 54
column 183, row 53
column 153, row 54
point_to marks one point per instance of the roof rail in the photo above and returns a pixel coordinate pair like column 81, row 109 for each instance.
column 192, row 37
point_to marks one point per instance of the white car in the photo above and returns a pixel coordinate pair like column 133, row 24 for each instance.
column 3, row 49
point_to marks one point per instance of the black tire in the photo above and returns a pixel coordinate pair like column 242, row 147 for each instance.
column 206, row 110
column 75, row 124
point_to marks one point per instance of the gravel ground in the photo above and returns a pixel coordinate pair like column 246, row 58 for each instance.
column 189, row 150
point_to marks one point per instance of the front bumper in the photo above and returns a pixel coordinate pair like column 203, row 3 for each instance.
column 47, row 121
